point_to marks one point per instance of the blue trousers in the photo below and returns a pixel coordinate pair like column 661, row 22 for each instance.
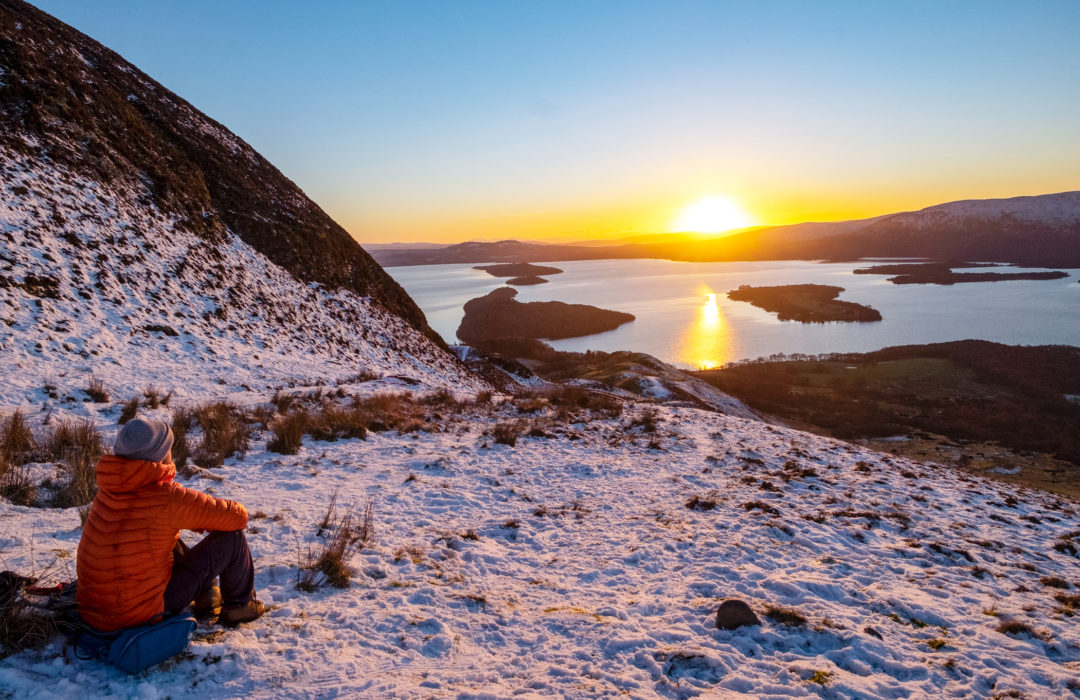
column 223, row 555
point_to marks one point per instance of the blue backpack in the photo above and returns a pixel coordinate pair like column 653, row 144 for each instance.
column 137, row 648
column 132, row 650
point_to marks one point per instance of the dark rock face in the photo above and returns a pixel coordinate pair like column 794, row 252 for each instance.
column 499, row 315
column 734, row 614
column 67, row 98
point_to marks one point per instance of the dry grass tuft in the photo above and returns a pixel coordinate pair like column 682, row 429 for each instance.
column 289, row 432
column 224, row 434
column 348, row 533
column 16, row 439
column 152, row 397
column 16, row 445
column 785, row 616
column 129, row 411
column 22, row 625
column 95, row 389
column 181, row 450
column 77, row 445
column 701, row 503
column 506, row 433
column 647, row 420
column 386, row 411
column 282, row 401
column 1018, row 627
column 336, row 423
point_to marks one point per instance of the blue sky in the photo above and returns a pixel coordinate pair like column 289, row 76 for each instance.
column 457, row 120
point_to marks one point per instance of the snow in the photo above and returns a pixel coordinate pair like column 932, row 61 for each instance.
column 589, row 575
column 116, row 269
column 1062, row 208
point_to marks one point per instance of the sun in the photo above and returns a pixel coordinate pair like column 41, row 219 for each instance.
column 712, row 214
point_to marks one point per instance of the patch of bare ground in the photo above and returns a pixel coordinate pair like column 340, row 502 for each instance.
column 1023, row 468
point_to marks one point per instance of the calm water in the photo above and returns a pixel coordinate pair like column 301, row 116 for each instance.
column 679, row 322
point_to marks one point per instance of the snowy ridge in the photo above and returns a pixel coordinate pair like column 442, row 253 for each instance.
column 94, row 275
column 1058, row 209
column 573, row 566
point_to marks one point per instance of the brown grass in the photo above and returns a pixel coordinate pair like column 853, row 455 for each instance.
column 17, row 484
column 386, row 411
column 181, row 450
column 701, row 503
column 22, row 625
column 785, row 616
column 129, row 411
column 506, row 433
column 349, row 532
column 152, row 397
column 289, row 432
column 282, row 401
column 578, row 397
column 77, row 445
column 336, row 423
column 646, row 420
column 225, row 434
column 16, row 439
column 1018, row 627
column 95, row 389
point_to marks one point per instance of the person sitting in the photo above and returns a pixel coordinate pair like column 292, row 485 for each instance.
column 132, row 566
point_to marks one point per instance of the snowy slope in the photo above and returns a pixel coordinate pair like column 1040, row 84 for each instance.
column 1062, row 208
column 590, row 577
column 95, row 279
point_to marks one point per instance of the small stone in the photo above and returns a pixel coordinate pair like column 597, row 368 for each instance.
column 734, row 614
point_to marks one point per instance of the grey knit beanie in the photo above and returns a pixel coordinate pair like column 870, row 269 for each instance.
column 144, row 439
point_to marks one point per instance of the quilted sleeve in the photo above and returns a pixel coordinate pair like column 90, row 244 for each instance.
column 194, row 510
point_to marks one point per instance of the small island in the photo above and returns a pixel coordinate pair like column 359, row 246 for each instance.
column 517, row 270
column 942, row 273
column 499, row 315
column 806, row 303
column 531, row 279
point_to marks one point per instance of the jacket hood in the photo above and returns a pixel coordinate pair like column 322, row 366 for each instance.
column 120, row 474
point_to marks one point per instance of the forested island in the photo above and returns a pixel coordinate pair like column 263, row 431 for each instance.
column 517, row 270
column 806, row 303
column 530, row 279
column 499, row 315
column 942, row 273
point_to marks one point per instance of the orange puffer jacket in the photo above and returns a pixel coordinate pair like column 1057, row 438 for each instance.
column 126, row 551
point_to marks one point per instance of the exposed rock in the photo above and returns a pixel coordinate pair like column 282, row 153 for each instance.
column 68, row 101
column 734, row 614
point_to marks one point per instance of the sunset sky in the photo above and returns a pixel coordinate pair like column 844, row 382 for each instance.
column 450, row 121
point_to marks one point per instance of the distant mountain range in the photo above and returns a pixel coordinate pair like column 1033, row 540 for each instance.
column 1038, row 231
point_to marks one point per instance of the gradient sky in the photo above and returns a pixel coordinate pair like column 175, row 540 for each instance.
column 448, row 121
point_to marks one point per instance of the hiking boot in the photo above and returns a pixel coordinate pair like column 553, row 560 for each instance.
column 252, row 610
column 208, row 604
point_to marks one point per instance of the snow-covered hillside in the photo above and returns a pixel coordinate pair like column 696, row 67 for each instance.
column 1060, row 209
column 590, row 562
column 96, row 280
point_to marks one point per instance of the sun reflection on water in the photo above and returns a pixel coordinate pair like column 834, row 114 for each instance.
column 707, row 343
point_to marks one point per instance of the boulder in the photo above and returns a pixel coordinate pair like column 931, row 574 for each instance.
column 734, row 614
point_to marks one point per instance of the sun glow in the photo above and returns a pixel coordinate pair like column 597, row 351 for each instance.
column 707, row 344
column 712, row 214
